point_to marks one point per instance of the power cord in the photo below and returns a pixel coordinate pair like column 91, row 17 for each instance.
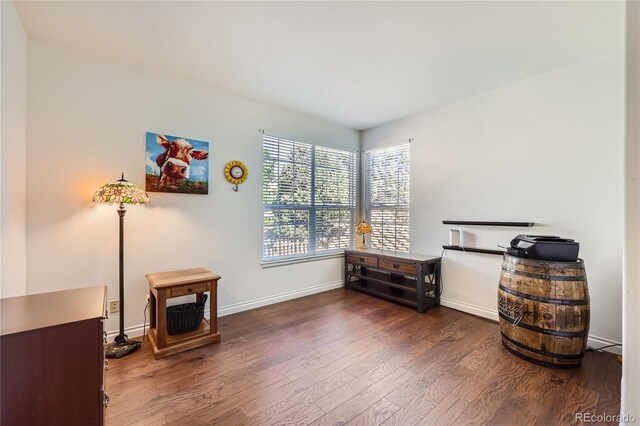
column 144, row 324
column 440, row 270
column 592, row 349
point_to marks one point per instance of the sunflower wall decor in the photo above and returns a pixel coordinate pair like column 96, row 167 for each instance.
column 236, row 173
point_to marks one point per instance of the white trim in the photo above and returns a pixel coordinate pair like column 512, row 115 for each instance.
column 302, row 259
column 480, row 311
column 468, row 308
column 270, row 300
column 598, row 342
column 136, row 330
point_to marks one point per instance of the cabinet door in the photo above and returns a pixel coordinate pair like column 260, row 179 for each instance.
column 104, row 396
column 53, row 375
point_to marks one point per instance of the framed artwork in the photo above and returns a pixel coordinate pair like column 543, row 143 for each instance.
column 176, row 164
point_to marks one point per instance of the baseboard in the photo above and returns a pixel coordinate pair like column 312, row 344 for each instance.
column 137, row 330
column 270, row 300
column 469, row 308
column 598, row 342
column 480, row 311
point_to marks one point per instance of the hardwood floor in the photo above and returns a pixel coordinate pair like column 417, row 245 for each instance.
column 342, row 357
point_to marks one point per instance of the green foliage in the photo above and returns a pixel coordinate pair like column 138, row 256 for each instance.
column 183, row 186
column 289, row 180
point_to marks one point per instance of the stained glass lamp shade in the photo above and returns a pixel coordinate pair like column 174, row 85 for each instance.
column 363, row 228
column 121, row 192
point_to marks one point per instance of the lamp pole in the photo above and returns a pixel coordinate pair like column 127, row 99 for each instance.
column 121, row 338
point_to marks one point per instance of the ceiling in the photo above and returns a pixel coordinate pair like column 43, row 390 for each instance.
column 356, row 63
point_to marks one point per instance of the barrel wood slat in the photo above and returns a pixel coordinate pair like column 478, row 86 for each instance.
column 544, row 310
column 552, row 289
column 550, row 316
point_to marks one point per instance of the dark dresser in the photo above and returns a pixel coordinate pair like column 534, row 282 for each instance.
column 52, row 358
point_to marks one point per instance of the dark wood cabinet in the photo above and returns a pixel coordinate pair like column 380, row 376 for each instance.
column 408, row 278
column 52, row 358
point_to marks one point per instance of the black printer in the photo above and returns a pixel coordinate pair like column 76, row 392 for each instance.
column 544, row 247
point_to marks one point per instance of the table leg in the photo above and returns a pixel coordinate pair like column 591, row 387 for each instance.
column 438, row 273
column 152, row 310
column 162, row 319
column 213, row 308
column 346, row 273
column 420, row 289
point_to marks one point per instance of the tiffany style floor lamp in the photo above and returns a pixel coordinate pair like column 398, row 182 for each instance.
column 121, row 192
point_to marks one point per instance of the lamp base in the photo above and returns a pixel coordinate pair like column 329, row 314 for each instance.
column 121, row 347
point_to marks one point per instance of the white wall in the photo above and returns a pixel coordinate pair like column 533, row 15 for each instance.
column 13, row 154
column 547, row 149
column 631, row 314
column 87, row 123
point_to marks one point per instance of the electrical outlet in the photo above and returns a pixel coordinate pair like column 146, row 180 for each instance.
column 114, row 306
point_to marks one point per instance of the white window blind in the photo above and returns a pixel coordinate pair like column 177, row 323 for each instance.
column 387, row 197
column 309, row 198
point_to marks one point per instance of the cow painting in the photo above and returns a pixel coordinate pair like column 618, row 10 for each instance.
column 176, row 164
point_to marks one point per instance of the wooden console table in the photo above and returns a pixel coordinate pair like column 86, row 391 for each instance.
column 165, row 285
column 409, row 278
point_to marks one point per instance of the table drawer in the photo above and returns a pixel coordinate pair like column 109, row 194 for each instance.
column 362, row 260
column 189, row 289
column 397, row 266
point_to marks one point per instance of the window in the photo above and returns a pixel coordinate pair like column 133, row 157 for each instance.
column 386, row 180
column 309, row 199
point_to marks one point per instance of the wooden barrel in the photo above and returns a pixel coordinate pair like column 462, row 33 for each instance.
column 544, row 310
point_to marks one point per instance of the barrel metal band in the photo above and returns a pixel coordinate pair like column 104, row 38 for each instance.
column 576, row 302
column 546, row 263
column 544, row 330
column 537, row 361
column 539, row 351
column 546, row 277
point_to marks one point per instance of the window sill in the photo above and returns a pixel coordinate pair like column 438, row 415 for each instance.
column 284, row 262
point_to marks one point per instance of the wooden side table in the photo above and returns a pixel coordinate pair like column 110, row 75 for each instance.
column 165, row 285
